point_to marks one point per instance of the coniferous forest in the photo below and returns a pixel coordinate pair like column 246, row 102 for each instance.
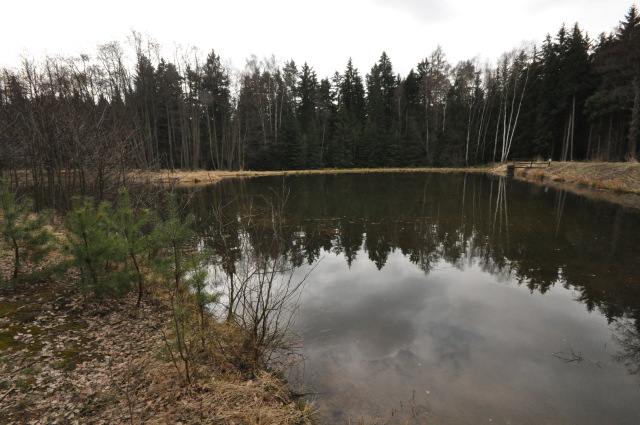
column 80, row 118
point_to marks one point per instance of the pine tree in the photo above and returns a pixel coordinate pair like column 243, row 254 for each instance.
column 351, row 93
column 410, row 117
column 306, row 90
column 181, row 264
column 96, row 249
column 628, row 29
column 137, row 242
column 23, row 231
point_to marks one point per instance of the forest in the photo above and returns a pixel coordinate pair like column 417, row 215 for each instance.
column 79, row 125
column 80, row 122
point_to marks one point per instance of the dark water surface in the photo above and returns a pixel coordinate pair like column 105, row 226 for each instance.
column 471, row 298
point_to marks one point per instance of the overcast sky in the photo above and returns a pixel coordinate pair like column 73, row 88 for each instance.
column 323, row 34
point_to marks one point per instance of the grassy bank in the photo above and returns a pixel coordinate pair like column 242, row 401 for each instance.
column 184, row 178
column 621, row 177
column 617, row 177
column 612, row 182
column 615, row 182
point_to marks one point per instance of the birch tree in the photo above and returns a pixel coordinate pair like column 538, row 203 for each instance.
column 513, row 75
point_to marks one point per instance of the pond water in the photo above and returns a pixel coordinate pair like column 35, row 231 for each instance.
column 457, row 298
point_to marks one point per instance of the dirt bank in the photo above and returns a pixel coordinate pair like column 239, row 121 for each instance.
column 614, row 182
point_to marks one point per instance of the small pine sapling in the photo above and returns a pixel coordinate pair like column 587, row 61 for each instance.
column 130, row 224
column 182, row 262
column 96, row 249
column 197, row 282
column 173, row 233
column 21, row 230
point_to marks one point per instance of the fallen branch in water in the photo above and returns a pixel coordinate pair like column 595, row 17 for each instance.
column 570, row 356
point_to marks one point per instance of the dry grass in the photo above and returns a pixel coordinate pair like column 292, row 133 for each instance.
column 151, row 392
column 614, row 182
column 622, row 177
column 184, row 178
column 67, row 360
column 261, row 401
column 611, row 182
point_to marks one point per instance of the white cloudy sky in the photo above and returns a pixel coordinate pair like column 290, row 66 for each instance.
column 324, row 34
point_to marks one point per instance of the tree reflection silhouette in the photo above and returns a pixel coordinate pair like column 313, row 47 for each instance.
column 541, row 237
column 627, row 335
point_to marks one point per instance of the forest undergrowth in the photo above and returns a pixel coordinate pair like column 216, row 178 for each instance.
column 109, row 323
column 68, row 361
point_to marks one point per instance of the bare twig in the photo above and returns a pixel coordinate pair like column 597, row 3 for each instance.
column 568, row 356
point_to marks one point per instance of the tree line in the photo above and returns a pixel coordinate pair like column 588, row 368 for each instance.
column 79, row 120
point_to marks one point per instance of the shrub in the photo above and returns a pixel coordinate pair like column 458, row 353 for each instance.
column 96, row 249
column 22, row 231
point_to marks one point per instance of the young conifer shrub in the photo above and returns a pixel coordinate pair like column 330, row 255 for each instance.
column 22, row 231
column 173, row 233
column 131, row 228
column 177, row 265
column 97, row 251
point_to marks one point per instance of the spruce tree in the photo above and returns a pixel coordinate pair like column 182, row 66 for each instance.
column 215, row 96
column 326, row 118
column 169, row 129
column 381, row 119
column 306, row 90
column 617, row 100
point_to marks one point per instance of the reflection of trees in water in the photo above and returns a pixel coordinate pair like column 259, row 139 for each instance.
column 259, row 285
column 627, row 335
column 540, row 237
column 561, row 196
column 500, row 216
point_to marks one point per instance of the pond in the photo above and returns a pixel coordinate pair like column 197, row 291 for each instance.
column 456, row 298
